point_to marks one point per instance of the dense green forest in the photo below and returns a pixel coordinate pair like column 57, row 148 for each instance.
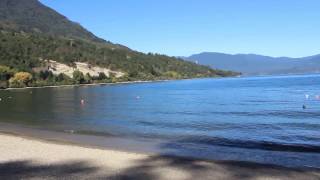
column 24, row 51
column 31, row 33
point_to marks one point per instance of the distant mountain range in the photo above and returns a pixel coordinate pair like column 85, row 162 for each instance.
column 252, row 64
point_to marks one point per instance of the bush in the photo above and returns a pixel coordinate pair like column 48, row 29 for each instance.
column 14, row 83
column 6, row 73
column 88, row 78
column 20, row 80
column 102, row 76
column 78, row 77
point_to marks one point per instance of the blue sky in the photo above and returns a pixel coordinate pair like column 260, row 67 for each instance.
column 184, row 27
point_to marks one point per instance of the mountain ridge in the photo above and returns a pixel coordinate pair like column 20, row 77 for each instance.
column 255, row 64
column 18, row 16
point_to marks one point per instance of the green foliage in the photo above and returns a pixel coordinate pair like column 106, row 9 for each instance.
column 173, row 75
column 78, row 77
column 6, row 73
column 88, row 78
column 24, row 51
column 61, row 77
column 14, row 83
column 102, row 76
column 20, row 79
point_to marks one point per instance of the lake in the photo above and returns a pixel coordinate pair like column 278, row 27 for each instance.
column 258, row 119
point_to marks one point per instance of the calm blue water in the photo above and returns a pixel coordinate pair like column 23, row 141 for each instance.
column 257, row 118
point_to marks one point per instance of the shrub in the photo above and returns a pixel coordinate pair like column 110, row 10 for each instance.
column 6, row 73
column 20, row 80
column 78, row 77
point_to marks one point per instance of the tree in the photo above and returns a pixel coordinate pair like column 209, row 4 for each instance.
column 173, row 75
column 6, row 73
column 102, row 76
column 60, row 77
column 63, row 79
column 78, row 77
column 88, row 78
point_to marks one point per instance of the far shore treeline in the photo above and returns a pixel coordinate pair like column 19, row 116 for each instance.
column 13, row 78
column 21, row 53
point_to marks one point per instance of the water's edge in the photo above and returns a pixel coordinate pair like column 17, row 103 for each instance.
column 149, row 147
column 90, row 141
column 93, row 84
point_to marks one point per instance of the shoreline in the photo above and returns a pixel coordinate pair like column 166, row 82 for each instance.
column 58, row 160
column 83, row 140
column 118, row 83
column 155, row 81
column 154, row 146
column 94, row 84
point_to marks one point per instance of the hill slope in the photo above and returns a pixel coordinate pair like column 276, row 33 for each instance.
column 31, row 32
column 252, row 64
column 33, row 17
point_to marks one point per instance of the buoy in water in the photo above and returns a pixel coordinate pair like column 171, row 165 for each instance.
column 82, row 102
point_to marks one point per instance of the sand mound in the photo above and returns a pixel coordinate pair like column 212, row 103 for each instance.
column 57, row 68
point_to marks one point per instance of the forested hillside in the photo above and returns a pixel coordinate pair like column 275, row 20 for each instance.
column 31, row 33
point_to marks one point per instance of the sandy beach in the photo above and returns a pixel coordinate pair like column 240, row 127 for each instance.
column 25, row 158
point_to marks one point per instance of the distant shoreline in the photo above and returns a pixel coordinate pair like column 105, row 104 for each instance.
column 115, row 83
column 93, row 84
